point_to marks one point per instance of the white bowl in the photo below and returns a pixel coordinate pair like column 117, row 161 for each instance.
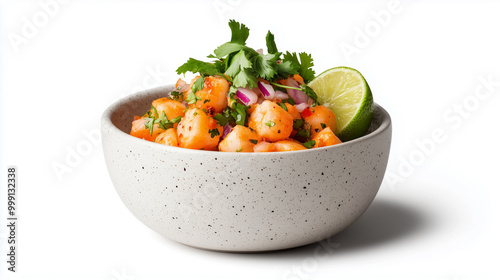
column 242, row 202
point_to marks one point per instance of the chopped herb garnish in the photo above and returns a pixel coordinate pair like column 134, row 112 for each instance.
column 303, row 135
column 192, row 98
column 254, row 141
column 239, row 113
column 309, row 144
column 213, row 132
column 291, row 101
column 323, row 126
column 195, row 113
column 239, row 150
column 221, row 119
column 282, row 105
column 206, row 101
column 162, row 120
column 298, row 123
column 270, row 123
column 176, row 95
column 149, row 125
column 155, row 112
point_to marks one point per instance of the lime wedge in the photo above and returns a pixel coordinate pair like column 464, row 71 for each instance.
column 346, row 93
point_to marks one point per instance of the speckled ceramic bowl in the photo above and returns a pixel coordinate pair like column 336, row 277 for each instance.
column 242, row 202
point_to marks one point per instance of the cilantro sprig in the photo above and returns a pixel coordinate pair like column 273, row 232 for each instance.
column 244, row 66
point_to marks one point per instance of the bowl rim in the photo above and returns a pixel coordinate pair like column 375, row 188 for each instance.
column 106, row 122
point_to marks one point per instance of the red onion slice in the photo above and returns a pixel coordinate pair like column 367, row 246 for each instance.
column 297, row 95
column 227, row 129
column 267, row 90
column 301, row 107
column 183, row 88
column 281, row 95
column 248, row 97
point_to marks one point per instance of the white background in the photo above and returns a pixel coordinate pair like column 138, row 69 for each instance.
column 435, row 217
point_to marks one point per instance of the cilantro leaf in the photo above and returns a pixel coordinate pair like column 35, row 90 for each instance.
column 287, row 68
column 309, row 144
column 176, row 119
column 245, row 78
column 221, row 119
column 164, row 123
column 271, row 45
column 239, row 32
column 292, row 57
column 323, row 126
column 198, row 85
column 198, row 66
column 239, row 113
column 239, row 62
column 228, row 48
column 213, row 132
column 305, row 64
column 254, row 141
column 155, row 111
column 265, row 65
column 150, row 125
column 220, row 66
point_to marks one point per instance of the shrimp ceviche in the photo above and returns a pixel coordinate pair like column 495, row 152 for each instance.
column 242, row 101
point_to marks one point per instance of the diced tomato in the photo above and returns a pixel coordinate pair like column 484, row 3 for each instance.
column 306, row 113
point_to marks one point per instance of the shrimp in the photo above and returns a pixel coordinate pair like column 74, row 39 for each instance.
column 213, row 96
column 240, row 139
column 298, row 78
column 172, row 108
column 271, row 121
column 318, row 118
column 292, row 110
column 288, row 145
column 197, row 130
column 325, row 138
column 168, row 137
column 139, row 130
column 264, row 147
